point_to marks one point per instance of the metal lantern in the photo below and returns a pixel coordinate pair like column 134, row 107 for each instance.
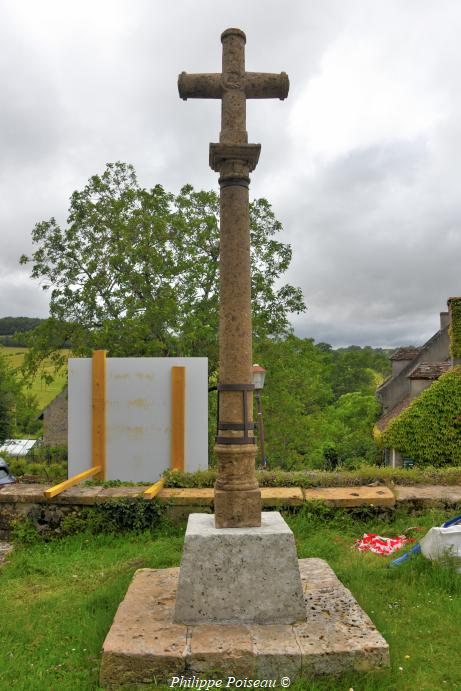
column 259, row 374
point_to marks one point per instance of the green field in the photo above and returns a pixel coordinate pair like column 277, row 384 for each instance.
column 44, row 392
column 58, row 599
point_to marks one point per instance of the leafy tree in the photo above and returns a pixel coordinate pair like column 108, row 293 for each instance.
column 306, row 425
column 297, row 386
column 343, row 431
column 356, row 369
column 18, row 410
column 135, row 271
column 7, row 400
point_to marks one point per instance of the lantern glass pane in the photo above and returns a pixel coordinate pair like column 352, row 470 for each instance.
column 258, row 379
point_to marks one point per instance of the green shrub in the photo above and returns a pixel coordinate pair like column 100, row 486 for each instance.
column 429, row 430
column 25, row 531
column 321, row 478
column 118, row 515
column 45, row 472
column 51, row 454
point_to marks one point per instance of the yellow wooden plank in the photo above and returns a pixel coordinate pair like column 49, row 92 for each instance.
column 178, row 401
column 154, row 489
column 57, row 489
column 99, row 411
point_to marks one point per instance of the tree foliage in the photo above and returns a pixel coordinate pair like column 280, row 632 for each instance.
column 429, row 430
column 305, row 419
column 297, row 385
column 341, row 434
column 135, row 271
column 18, row 409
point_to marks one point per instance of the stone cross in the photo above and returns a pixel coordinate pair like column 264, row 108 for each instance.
column 237, row 495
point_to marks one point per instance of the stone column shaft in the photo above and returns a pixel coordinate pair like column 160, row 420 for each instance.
column 237, row 495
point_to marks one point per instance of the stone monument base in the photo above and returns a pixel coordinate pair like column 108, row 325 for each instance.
column 239, row 575
column 144, row 645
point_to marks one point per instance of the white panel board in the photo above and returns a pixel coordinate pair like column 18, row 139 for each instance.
column 138, row 417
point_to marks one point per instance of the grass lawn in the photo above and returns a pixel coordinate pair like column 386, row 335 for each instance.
column 44, row 392
column 57, row 602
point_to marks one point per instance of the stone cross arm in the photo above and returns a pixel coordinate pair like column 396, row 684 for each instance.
column 214, row 85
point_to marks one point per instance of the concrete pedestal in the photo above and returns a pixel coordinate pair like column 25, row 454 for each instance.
column 239, row 575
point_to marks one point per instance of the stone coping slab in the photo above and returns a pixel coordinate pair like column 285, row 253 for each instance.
column 145, row 646
column 187, row 496
column 429, row 495
column 348, row 497
column 192, row 496
column 27, row 494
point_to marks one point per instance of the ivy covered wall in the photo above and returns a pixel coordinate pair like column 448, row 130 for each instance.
column 454, row 305
column 429, row 430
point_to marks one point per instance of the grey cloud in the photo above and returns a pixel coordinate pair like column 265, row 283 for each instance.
column 375, row 232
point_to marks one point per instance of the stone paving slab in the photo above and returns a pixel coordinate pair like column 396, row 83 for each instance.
column 429, row 495
column 348, row 497
column 145, row 646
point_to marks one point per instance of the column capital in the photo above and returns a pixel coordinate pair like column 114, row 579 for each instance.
column 234, row 162
column 247, row 154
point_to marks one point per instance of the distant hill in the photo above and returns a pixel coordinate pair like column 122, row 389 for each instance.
column 11, row 329
column 12, row 325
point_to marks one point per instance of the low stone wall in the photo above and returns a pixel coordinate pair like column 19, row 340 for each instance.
column 28, row 501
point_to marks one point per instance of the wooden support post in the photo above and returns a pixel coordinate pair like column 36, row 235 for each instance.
column 57, row 489
column 154, row 489
column 99, row 412
column 178, row 406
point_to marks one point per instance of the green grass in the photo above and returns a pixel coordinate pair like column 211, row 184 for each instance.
column 57, row 602
column 416, row 606
column 44, row 392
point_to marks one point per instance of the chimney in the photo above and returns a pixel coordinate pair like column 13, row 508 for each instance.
column 444, row 320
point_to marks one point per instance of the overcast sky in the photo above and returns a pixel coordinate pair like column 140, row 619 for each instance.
column 361, row 163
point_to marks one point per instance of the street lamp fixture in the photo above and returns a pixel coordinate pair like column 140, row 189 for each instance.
column 259, row 374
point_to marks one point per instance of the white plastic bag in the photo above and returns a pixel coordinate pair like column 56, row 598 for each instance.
column 442, row 542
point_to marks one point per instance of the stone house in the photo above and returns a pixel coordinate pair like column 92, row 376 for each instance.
column 413, row 370
column 54, row 417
